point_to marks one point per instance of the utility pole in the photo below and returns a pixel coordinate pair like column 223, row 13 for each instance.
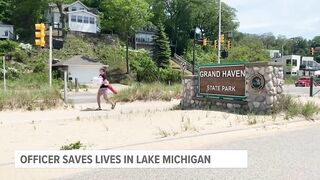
column 4, row 73
column 193, row 50
column 50, row 56
column 219, row 34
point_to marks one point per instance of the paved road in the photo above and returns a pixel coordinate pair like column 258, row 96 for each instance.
column 288, row 155
column 299, row 91
column 90, row 97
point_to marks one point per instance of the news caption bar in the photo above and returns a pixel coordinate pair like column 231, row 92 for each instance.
column 132, row 159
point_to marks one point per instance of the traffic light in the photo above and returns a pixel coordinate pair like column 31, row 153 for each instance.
column 224, row 54
column 204, row 41
column 312, row 51
column 222, row 38
column 40, row 35
column 215, row 44
column 229, row 45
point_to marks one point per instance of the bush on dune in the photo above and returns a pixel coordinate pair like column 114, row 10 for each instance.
column 149, row 92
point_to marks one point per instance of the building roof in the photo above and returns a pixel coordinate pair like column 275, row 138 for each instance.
column 79, row 3
column 55, row 9
column 2, row 24
column 79, row 60
column 72, row 12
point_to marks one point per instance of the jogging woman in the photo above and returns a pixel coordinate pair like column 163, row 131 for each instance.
column 103, row 90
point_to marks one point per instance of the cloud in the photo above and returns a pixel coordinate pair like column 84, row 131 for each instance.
column 281, row 17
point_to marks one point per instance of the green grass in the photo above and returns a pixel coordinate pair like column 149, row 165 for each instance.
column 149, row 92
column 30, row 92
column 290, row 80
column 72, row 146
column 309, row 109
column 292, row 108
column 30, row 99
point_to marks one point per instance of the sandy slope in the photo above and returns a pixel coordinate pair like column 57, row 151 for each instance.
column 128, row 125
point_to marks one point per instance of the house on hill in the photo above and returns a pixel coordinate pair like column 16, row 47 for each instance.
column 80, row 18
column 144, row 38
column 6, row 31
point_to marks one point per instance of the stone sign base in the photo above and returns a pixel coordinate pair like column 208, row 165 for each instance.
column 259, row 98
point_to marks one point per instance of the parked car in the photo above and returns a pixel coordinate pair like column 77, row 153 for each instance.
column 305, row 82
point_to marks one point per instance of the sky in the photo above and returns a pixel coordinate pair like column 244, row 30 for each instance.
column 291, row 18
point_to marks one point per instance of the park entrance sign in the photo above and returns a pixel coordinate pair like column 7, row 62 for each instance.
column 252, row 86
column 223, row 81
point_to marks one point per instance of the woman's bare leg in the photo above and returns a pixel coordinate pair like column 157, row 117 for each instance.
column 105, row 96
column 99, row 99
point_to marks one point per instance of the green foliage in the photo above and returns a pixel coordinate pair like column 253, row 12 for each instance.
column 5, row 10
column 124, row 16
column 292, row 108
column 149, row 92
column 290, row 80
column 250, row 49
column 72, row 146
column 7, row 46
column 43, row 98
column 309, row 109
column 146, row 70
column 169, row 75
column 206, row 55
column 161, row 51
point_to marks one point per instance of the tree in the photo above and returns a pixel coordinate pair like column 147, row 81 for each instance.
column 316, row 43
column 125, row 17
column 26, row 13
column 6, row 7
column 63, row 16
column 250, row 48
column 162, row 50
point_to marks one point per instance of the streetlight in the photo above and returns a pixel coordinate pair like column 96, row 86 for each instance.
column 196, row 31
column 219, row 33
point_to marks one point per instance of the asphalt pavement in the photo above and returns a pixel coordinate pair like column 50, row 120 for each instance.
column 287, row 155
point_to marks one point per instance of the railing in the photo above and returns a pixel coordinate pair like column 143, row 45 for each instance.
column 182, row 62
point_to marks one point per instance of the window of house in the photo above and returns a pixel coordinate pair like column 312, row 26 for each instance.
column 73, row 18
column 294, row 62
column 91, row 20
column 288, row 62
column 81, row 8
column 80, row 19
column 6, row 33
column 288, row 72
column 85, row 19
column 73, row 8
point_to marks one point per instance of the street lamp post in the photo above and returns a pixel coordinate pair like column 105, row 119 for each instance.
column 196, row 31
column 4, row 73
column 219, row 33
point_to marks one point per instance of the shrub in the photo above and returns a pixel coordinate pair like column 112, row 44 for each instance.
column 30, row 99
column 7, row 46
column 147, row 71
column 169, row 75
column 309, row 109
column 72, row 146
column 148, row 92
column 291, row 108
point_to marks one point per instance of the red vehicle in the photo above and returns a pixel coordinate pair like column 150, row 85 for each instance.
column 305, row 82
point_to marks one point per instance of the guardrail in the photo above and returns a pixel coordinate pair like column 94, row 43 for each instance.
column 182, row 62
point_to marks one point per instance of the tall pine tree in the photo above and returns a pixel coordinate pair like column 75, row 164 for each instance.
column 161, row 51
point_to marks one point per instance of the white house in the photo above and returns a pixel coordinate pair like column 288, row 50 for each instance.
column 81, row 67
column 274, row 54
column 6, row 31
column 80, row 18
column 144, row 38
column 291, row 64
